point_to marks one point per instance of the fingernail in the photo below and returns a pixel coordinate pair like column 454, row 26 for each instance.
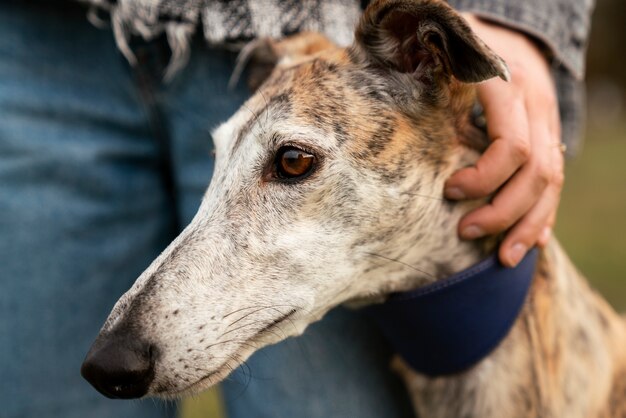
column 516, row 253
column 454, row 193
column 472, row 232
column 545, row 235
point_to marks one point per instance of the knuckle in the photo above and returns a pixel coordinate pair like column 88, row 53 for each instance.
column 542, row 172
column 521, row 148
column 533, row 226
column 558, row 179
column 500, row 221
column 483, row 187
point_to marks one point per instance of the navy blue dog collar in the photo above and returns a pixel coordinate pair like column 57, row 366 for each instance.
column 448, row 326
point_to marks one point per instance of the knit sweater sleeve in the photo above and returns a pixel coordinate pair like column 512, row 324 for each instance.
column 562, row 26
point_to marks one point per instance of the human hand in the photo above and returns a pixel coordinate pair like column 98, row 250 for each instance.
column 523, row 165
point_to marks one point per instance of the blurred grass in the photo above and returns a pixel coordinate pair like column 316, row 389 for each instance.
column 591, row 224
column 206, row 405
column 591, row 227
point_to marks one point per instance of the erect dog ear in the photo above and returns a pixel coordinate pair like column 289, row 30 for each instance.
column 426, row 38
column 262, row 55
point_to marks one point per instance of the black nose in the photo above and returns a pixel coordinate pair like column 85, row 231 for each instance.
column 119, row 366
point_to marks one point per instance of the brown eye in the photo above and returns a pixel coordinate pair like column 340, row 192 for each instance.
column 292, row 163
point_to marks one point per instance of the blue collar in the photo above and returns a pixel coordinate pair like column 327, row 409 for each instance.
column 448, row 326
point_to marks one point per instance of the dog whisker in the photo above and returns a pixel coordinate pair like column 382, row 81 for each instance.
column 240, row 327
column 426, row 196
column 254, row 114
column 221, row 342
column 402, row 263
column 267, row 325
column 258, row 310
column 238, row 310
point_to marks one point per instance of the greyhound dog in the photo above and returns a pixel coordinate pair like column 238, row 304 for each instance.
column 328, row 190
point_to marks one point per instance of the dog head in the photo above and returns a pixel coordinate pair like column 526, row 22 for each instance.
column 327, row 189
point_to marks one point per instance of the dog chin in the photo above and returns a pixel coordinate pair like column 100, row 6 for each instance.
column 170, row 391
column 197, row 387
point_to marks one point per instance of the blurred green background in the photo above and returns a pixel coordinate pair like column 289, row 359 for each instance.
column 591, row 225
column 592, row 216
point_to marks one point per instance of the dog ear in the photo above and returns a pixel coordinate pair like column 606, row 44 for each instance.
column 426, row 38
column 262, row 55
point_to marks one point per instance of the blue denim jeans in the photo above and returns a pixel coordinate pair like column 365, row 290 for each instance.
column 100, row 166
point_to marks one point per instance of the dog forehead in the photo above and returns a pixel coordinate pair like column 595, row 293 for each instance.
column 329, row 94
column 295, row 98
column 324, row 101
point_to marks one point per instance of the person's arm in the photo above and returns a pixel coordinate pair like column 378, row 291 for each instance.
column 524, row 164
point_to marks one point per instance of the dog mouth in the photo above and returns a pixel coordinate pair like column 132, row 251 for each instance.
column 245, row 348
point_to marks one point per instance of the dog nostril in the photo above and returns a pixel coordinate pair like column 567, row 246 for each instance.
column 119, row 366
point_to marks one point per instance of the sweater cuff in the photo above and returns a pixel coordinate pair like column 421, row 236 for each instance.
column 563, row 28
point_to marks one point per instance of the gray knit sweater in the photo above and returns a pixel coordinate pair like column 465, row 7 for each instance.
column 561, row 26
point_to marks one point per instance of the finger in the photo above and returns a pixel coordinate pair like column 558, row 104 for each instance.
column 516, row 198
column 528, row 230
column 555, row 123
column 508, row 128
column 557, row 183
column 544, row 102
column 546, row 232
column 544, row 237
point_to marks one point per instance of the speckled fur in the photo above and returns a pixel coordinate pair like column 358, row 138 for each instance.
column 262, row 259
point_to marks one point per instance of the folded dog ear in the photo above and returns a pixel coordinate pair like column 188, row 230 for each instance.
column 262, row 55
column 426, row 38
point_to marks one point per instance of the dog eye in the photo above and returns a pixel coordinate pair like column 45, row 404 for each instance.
column 293, row 163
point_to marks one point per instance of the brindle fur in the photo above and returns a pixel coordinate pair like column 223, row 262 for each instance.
column 262, row 259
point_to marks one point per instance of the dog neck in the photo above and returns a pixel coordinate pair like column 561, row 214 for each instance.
column 430, row 249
